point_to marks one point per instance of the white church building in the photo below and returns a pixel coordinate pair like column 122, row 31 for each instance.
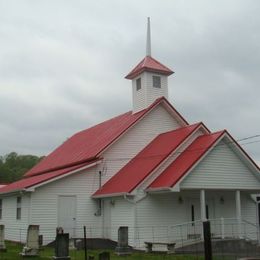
column 148, row 169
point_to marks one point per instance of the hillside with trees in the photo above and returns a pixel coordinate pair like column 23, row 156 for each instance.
column 13, row 166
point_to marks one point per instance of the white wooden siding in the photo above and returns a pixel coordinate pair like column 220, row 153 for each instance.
column 158, row 214
column 249, row 213
column 15, row 229
column 139, row 96
column 145, row 96
column 221, row 169
column 44, row 204
column 153, row 93
column 156, row 122
column 122, row 214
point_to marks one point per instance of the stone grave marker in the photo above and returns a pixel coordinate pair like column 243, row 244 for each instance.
column 62, row 246
column 31, row 247
column 2, row 238
column 104, row 256
column 122, row 244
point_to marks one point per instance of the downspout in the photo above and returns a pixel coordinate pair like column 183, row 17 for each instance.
column 98, row 212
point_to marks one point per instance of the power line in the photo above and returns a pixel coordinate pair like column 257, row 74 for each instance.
column 246, row 138
column 188, row 150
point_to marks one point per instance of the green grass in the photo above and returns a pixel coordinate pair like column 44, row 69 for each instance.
column 14, row 249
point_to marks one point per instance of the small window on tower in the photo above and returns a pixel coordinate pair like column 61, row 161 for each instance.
column 138, row 84
column 156, row 82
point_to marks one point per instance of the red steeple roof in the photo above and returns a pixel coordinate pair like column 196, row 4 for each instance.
column 149, row 64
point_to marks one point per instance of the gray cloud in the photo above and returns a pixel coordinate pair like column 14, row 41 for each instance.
column 62, row 65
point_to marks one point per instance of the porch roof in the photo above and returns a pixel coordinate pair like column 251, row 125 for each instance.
column 184, row 162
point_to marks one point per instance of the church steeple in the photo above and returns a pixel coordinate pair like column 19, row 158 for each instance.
column 149, row 78
column 148, row 39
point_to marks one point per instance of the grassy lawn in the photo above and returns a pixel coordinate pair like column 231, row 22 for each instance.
column 13, row 251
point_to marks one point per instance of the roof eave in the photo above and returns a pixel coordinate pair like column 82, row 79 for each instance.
column 109, row 195
column 135, row 74
column 31, row 188
column 158, row 190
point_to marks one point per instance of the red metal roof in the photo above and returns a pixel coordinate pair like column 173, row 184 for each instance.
column 88, row 144
column 184, row 162
column 34, row 180
column 146, row 161
column 149, row 64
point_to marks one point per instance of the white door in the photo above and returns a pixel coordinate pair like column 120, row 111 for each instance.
column 67, row 214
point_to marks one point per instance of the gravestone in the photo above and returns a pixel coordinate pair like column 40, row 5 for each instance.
column 122, row 244
column 104, row 256
column 59, row 230
column 2, row 238
column 91, row 257
column 31, row 247
column 40, row 242
column 62, row 246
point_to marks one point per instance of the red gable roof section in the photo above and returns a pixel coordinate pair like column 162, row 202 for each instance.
column 34, row 180
column 184, row 162
column 88, row 144
column 85, row 145
column 149, row 64
column 146, row 161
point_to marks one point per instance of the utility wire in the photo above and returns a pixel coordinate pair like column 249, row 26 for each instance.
column 188, row 150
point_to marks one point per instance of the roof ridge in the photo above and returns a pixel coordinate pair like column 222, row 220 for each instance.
column 181, row 128
column 159, row 63
column 149, row 63
column 113, row 118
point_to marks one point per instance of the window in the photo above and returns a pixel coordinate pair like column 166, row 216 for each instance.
column 1, row 208
column 18, row 207
column 156, row 82
column 138, row 84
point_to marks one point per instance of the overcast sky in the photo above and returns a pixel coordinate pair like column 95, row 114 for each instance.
column 62, row 65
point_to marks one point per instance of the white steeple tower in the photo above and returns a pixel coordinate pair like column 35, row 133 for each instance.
column 148, row 39
column 149, row 78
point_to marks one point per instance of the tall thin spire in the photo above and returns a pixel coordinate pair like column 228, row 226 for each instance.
column 148, row 39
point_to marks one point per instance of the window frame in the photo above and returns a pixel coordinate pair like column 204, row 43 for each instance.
column 138, row 83
column 157, row 81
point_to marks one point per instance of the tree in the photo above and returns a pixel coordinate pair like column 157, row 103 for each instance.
column 13, row 166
